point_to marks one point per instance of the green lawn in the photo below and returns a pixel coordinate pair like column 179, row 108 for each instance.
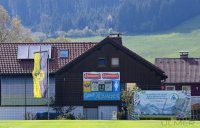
column 99, row 124
column 159, row 45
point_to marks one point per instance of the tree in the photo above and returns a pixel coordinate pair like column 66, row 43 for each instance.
column 39, row 36
column 63, row 112
column 3, row 24
column 57, row 40
column 127, row 97
column 11, row 29
column 19, row 33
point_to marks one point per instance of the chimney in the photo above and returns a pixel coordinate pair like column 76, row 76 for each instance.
column 116, row 37
column 184, row 54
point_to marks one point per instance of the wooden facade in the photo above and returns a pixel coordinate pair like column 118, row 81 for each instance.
column 132, row 68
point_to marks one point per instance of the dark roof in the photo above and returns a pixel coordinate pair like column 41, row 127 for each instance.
column 123, row 49
column 180, row 70
column 9, row 64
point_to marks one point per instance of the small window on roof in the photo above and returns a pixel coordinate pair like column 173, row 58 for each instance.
column 63, row 53
column 101, row 62
column 115, row 61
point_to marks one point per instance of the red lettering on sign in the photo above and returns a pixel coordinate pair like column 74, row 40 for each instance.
column 110, row 76
column 92, row 76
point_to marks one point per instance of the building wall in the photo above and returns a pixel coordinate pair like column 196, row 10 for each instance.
column 18, row 113
column 69, row 83
column 195, row 100
column 13, row 98
column 195, row 87
column 106, row 112
column 14, row 89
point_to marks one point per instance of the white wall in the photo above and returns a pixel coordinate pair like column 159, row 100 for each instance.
column 105, row 112
column 78, row 111
column 18, row 113
column 13, row 91
column 195, row 100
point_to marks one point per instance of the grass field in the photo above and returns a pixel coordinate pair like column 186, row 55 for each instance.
column 99, row 124
column 159, row 45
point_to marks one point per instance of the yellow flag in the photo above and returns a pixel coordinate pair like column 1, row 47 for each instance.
column 40, row 75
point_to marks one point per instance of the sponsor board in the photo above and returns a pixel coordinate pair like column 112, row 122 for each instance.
column 101, row 86
column 168, row 103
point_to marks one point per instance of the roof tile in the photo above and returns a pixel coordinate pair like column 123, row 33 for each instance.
column 9, row 64
column 180, row 70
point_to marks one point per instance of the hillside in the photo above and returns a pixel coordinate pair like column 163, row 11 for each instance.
column 188, row 26
column 185, row 36
column 159, row 28
column 95, row 17
column 163, row 45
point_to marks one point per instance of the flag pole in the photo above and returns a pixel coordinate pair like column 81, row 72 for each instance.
column 48, row 87
column 25, row 98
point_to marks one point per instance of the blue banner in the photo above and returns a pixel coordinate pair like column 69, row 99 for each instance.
column 101, row 86
column 101, row 96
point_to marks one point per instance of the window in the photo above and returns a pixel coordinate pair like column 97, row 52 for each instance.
column 115, row 61
column 186, row 88
column 101, row 62
column 170, row 88
column 63, row 54
column 131, row 86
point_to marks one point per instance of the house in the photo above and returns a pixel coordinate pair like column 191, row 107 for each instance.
column 16, row 66
column 183, row 74
column 87, row 81
column 108, row 65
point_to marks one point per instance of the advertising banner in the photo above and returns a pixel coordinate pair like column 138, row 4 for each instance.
column 101, row 86
column 176, row 103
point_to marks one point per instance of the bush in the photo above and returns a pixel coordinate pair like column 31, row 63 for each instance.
column 67, row 116
column 80, row 117
column 121, row 115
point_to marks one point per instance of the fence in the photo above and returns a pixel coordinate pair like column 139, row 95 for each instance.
column 17, row 103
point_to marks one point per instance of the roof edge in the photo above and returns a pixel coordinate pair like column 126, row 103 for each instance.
column 131, row 53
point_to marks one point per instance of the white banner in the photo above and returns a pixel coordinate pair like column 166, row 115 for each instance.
column 176, row 103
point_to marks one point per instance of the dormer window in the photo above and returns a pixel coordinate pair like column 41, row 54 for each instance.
column 63, row 54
